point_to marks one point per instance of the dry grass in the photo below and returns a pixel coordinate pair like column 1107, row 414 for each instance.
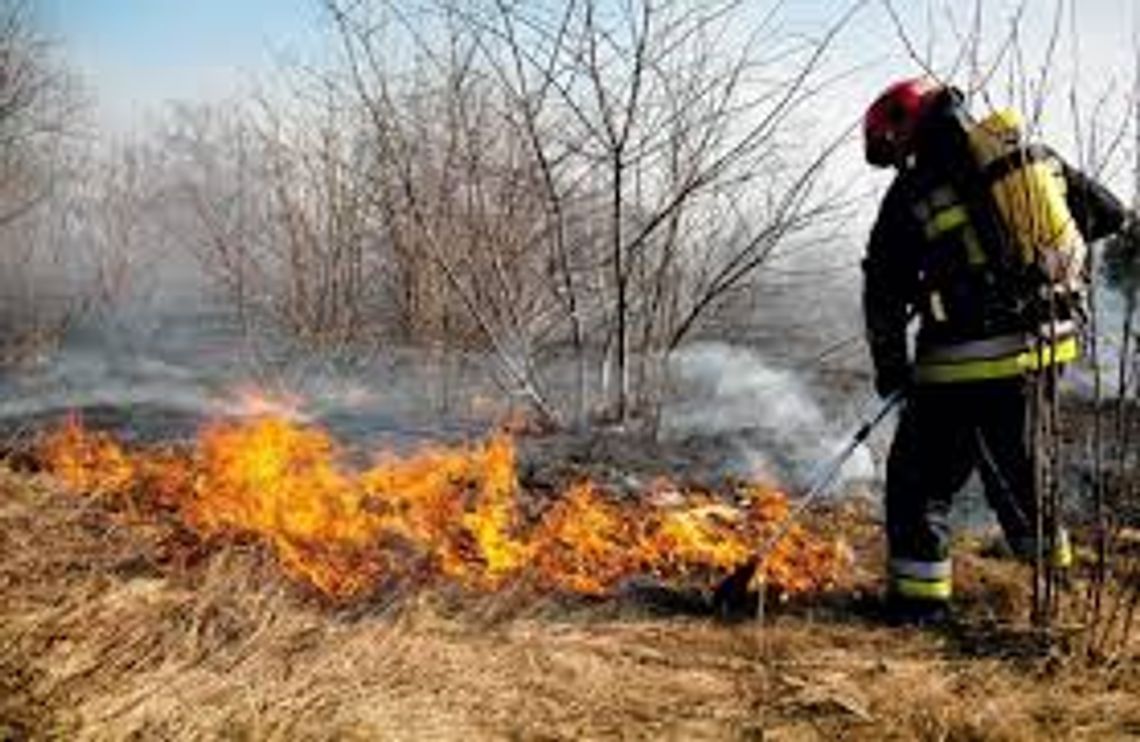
column 115, row 627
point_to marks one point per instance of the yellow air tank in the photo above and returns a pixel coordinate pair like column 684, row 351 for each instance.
column 1029, row 195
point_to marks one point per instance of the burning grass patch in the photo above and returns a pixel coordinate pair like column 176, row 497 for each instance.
column 457, row 514
column 118, row 621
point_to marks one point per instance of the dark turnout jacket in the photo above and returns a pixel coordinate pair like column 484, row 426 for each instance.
column 912, row 270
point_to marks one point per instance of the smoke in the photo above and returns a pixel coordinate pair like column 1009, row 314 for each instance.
column 729, row 407
column 766, row 417
column 160, row 377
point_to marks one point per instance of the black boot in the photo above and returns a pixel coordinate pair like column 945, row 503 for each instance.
column 901, row 611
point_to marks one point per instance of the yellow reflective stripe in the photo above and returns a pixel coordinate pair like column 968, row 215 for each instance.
column 1065, row 351
column 955, row 217
column 937, row 307
column 946, row 220
column 972, row 350
column 907, row 587
column 974, row 252
column 1062, row 556
column 1062, row 559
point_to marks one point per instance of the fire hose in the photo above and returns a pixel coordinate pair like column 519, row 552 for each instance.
column 732, row 592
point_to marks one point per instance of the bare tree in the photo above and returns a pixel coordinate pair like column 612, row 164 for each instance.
column 655, row 141
column 39, row 104
column 278, row 218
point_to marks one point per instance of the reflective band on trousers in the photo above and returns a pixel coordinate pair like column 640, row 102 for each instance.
column 911, row 578
column 905, row 587
column 922, row 570
column 1064, row 351
column 1060, row 556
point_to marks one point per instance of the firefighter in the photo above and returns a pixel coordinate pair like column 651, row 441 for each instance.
column 940, row 251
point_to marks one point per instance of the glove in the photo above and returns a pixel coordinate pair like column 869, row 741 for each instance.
column 891, row 379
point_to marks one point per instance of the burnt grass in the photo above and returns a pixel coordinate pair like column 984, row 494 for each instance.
column 116, row 623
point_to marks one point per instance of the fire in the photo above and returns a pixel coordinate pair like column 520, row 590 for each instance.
column 453, row 512
column 87, row 462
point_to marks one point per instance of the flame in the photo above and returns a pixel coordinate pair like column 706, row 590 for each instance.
column 88, row 462
column 453, row 512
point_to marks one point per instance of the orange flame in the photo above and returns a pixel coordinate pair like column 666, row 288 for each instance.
column 88, row 462
column 451, row 511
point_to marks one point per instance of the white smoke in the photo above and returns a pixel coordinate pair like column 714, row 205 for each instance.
column 768, row 419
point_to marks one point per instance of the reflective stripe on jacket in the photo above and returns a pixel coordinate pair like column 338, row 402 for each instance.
column 977, row 361
column 978, row 289
column 921, row 221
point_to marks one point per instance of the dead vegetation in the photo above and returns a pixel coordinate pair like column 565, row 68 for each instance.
column 115, row 625
column 38, row 110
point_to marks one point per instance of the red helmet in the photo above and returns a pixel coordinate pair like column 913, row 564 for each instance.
column 890, row 122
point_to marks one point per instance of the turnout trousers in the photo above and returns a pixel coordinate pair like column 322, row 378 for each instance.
column 946, row 431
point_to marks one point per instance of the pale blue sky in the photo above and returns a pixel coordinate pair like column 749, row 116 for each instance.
column 135, row 55
column 173, row 31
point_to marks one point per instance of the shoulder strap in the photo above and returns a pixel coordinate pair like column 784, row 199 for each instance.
column 1019, row 157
